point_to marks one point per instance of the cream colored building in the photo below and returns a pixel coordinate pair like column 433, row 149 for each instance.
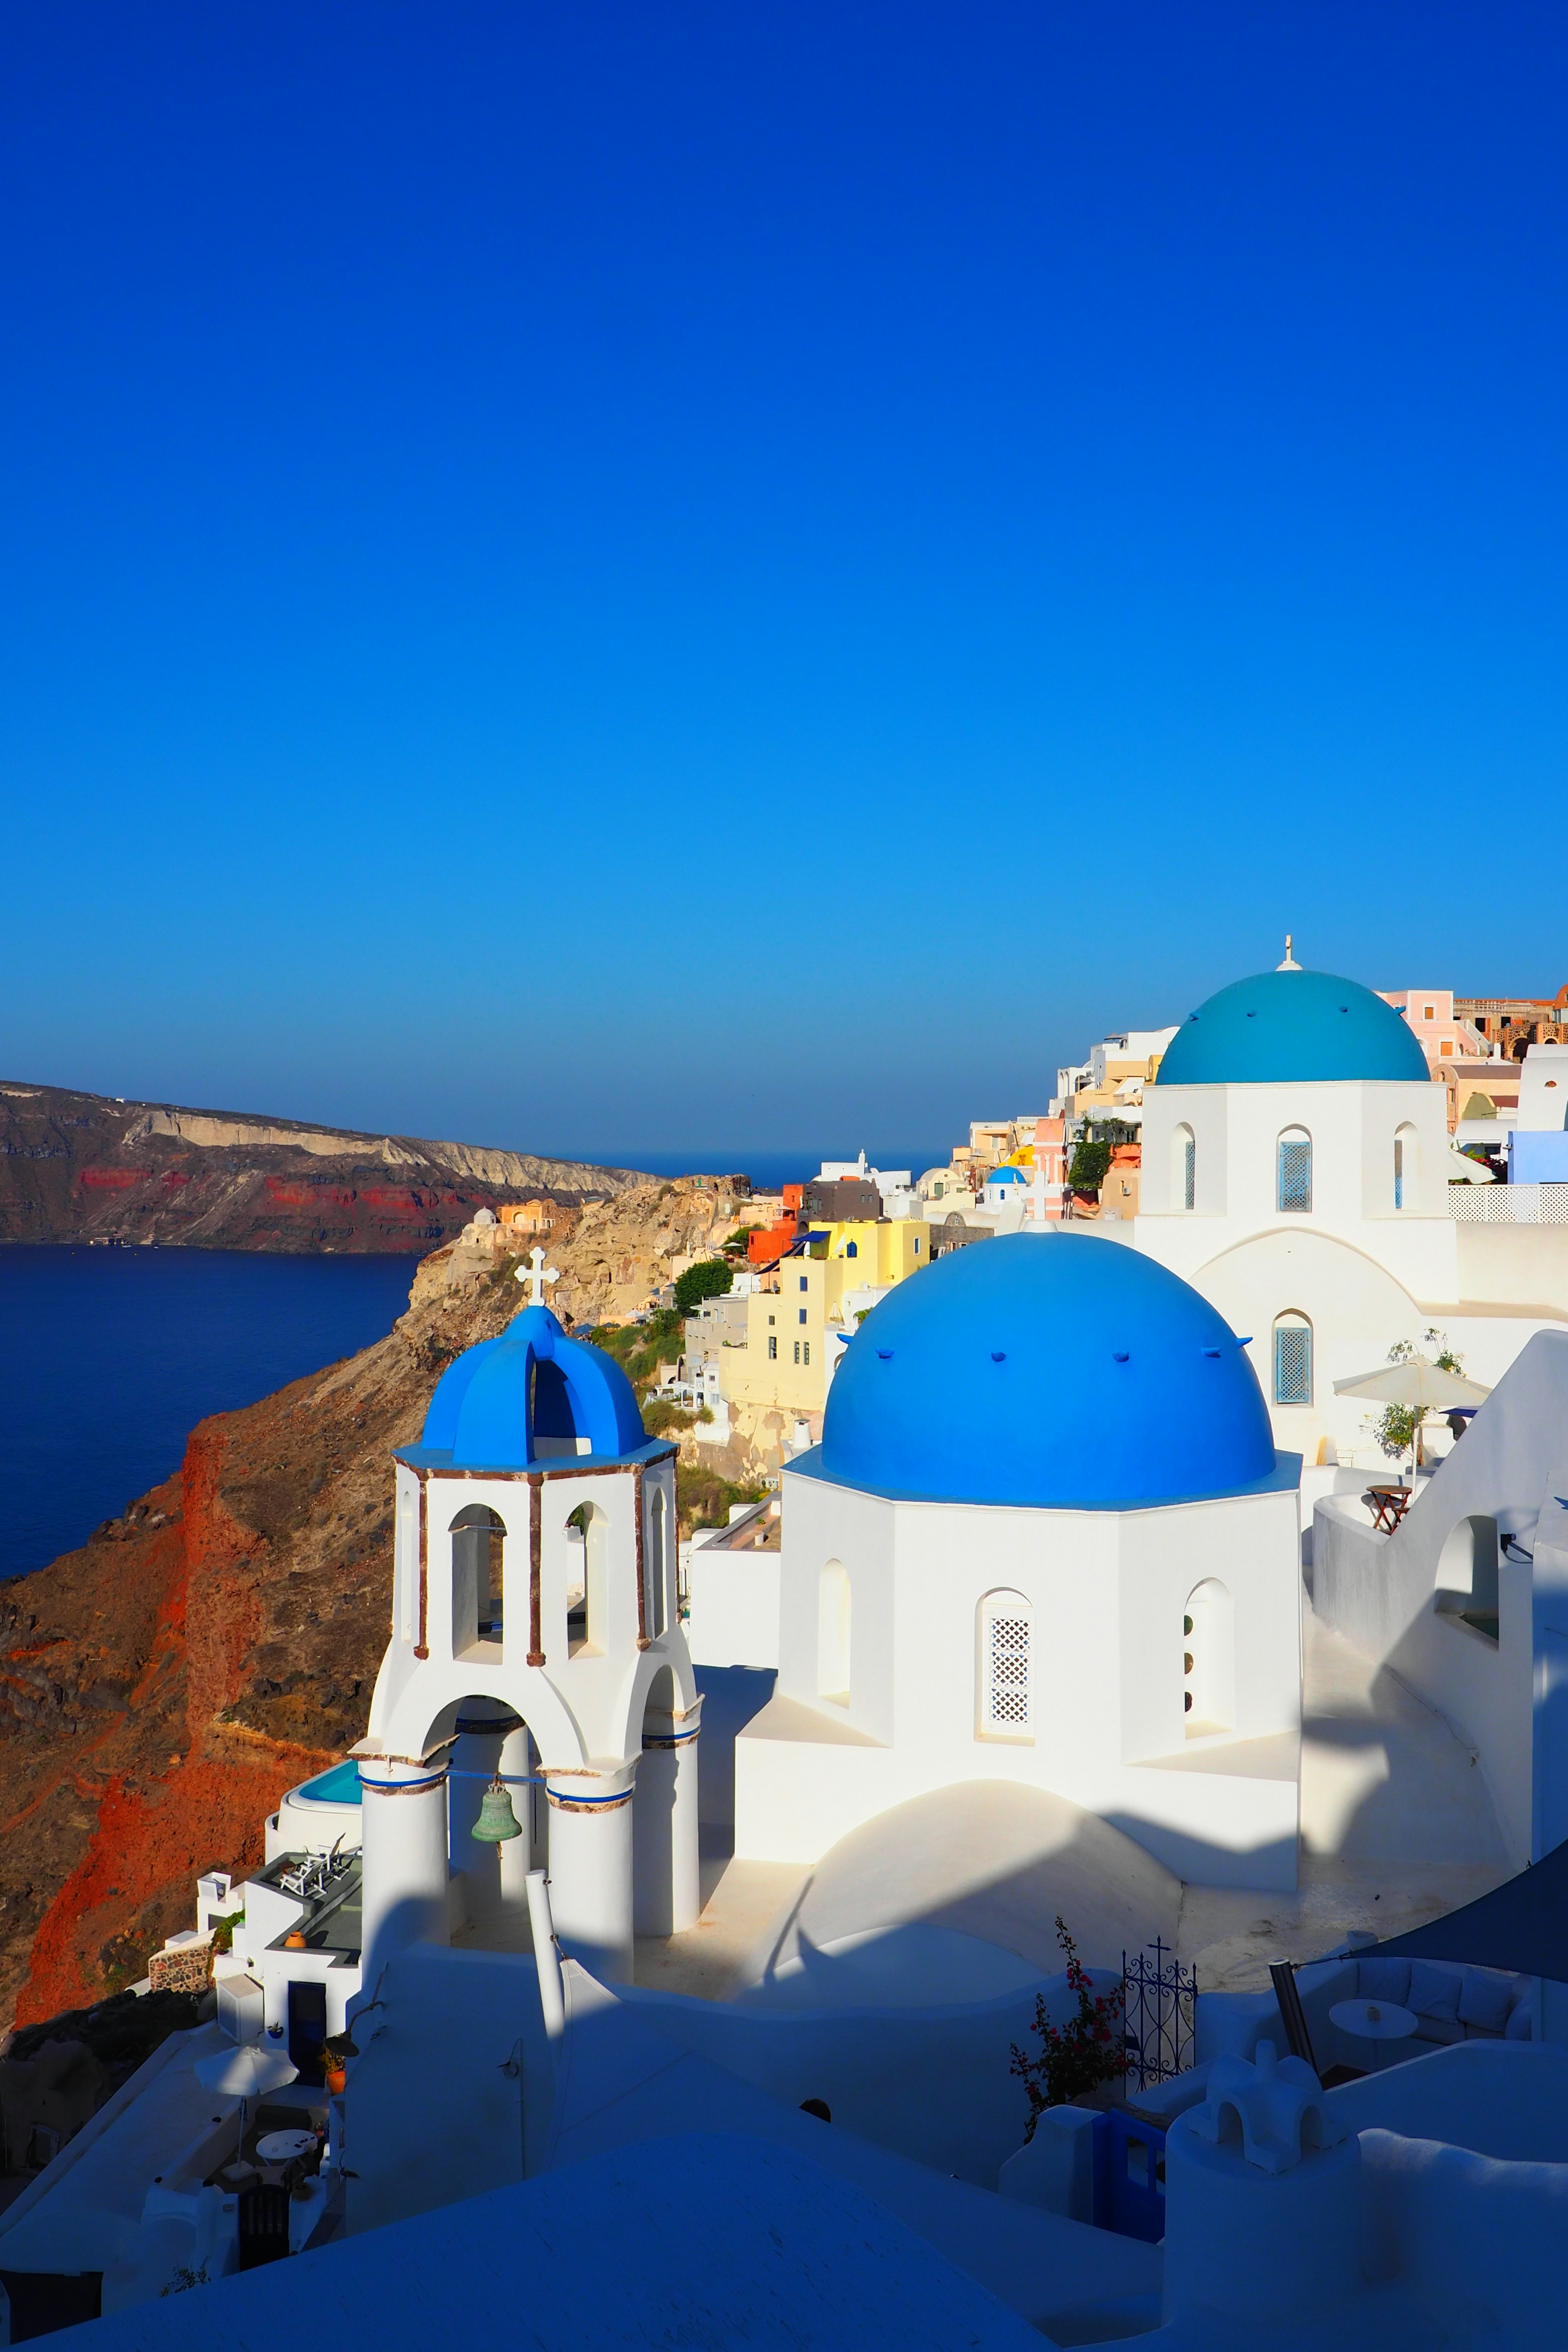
column 795, row 1328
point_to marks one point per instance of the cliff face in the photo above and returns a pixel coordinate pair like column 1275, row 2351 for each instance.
column 163, row 1685
column 76, row 1167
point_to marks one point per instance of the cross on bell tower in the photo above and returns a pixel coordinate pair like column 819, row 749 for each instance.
column 536, row 1273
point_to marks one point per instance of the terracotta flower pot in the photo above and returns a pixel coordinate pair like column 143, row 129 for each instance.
column 337, row 2076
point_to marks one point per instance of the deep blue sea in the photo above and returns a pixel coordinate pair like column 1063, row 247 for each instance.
column 108, row 1357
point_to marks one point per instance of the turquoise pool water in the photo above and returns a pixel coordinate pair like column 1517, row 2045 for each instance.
column 338, row 1787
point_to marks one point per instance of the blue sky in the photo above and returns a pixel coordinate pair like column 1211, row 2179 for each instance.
column 635, row 580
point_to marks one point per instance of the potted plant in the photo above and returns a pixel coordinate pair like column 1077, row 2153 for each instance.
column 1089, row 2050
column 336, row 2052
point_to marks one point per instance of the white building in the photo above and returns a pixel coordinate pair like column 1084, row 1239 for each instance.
column 1047, row 1537
column 1296, row 1168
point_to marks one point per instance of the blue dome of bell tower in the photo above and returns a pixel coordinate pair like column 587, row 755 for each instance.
column 530, row 1396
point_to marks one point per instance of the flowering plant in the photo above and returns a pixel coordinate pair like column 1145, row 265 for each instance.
column 1089, row 2050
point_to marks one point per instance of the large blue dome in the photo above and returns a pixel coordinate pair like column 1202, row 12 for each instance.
column 527, row 1397
column 1301, row 1026
column 1049, row 1369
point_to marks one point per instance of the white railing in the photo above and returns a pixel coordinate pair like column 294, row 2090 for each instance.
column 1509, row 1205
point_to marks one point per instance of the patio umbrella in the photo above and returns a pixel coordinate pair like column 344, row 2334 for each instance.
column 1414, row 1382
column 245, row 2072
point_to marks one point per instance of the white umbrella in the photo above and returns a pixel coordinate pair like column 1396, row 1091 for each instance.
column 1420, row 1386
column 245, row 2072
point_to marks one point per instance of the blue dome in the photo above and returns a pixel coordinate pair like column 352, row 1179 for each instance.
column 1281, row 1026
column 1006, row 1176
column 1048, row 1368
column 493, row 1408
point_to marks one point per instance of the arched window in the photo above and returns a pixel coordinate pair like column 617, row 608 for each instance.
column 1005, row 1663
column 658, row 1567
column 1296, row 1170
column 1208, row 1660
column 833, row 1633
column 587, row 1530
column 478, row 1543
column 1184, row 1168
column 1407, row 1166
column 1293, row 1359
column 851, row 1249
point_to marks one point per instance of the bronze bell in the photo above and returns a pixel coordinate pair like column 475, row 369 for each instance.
column 497, row 1821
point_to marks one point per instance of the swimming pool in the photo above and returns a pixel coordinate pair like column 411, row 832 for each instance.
column 338, row 1787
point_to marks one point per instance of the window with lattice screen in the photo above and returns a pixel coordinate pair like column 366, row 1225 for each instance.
column 1006, row 1630
column 1296, row 1170
column 1292, row 1362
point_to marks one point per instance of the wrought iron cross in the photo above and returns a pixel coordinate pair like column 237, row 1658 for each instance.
column 536, row 1273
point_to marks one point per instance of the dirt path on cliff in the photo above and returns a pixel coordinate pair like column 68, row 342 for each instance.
column 161, row 1688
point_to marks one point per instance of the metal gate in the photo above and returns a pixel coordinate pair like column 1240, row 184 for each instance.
column 1162, row 2000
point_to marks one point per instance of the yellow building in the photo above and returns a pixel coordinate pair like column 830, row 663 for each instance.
column 796, row 1331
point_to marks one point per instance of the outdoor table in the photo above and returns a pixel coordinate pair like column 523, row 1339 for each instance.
column 1389, row 1505
column 1374, row 2020
column 283, row 2146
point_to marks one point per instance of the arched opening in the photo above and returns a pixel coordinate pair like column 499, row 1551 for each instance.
column 666, row 1897
column 479, row 1576
column 1293, row 1359
column 1468, row 1575
column 490, row 1740
column 1407, row 1166
column 833, row 1633
column 1005, row 1666
column 587, row 1538
column 658, row 1565
column 1295, row 1171
column 1184, row 1168
column 1208, row 1660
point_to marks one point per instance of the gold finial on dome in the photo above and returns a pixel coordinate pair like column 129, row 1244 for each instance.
column 1289, row 963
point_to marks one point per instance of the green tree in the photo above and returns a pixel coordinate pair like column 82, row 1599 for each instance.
column 1088, row 1165
column 708, row 1278
column 1394, row 1427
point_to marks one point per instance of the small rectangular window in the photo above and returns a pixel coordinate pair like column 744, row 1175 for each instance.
column 802, row 1315
column 1189, row 1172
column 803, row 1282
column 1296, row 1176
column 772, row 1347
column 1293, row 1364
column 806, row 1351
column 797, row 1352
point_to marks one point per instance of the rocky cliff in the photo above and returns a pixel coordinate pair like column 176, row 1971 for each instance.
column 76, row 1167
column 164, row 1685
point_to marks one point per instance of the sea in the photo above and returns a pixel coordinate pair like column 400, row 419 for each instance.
column 110, row 1356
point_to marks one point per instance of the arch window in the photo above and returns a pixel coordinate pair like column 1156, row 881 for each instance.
column 1208, row 1660
column 1468, row 1575
column 1184, row 1168
column 833, row 1633
column 658, row 1565
column 1295, row 1170
column 1292, row 1359
column 478, row 1546
column 587, row 1530
column 1007, row 1667
column 1405, row 1163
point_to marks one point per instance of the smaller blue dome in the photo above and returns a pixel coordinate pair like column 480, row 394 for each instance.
column 493, row 1406
column 1006, row 1176
column 1291, row 1027
column 1056, row 1370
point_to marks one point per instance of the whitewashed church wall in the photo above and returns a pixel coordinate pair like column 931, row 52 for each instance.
column 1249, row 1545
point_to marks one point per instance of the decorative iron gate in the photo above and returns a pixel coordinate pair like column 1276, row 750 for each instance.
column 1162, row 2000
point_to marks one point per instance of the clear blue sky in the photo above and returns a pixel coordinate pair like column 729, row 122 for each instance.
column 630, row 579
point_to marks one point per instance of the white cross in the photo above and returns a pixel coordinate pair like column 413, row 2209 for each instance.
column 536, row 1273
